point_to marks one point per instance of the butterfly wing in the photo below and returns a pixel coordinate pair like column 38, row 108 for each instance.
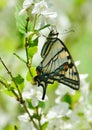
column 58, row 65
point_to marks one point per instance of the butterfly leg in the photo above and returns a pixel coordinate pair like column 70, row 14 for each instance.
column 44, row 91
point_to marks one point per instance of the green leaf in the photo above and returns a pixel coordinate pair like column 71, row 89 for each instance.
column 9, row 126
column 3, row 81
column 65, row 118
column 18, row 79
column 20, row 82
column 41, row 104
column 30, row 104
column 67, row 98
column 29, row 77
column 44, row 126
column 34, row 42
column 80, row 114
column 9, row 92
column 36, row 116
column 32, row 51
column 76, row 97
column 21, row 21
column 10, row 88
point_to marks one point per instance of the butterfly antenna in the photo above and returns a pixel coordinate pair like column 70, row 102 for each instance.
column 67, row 31
column 43, row 35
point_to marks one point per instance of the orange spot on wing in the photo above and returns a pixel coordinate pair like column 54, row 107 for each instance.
column 66, row 67
column 37, row 72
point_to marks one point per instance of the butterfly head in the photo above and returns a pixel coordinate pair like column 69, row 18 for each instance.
column 39, row 70
column 53, row 33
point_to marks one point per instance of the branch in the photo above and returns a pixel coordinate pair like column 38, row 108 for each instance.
column 12, row 79
column 21, row 98
column 26, row 48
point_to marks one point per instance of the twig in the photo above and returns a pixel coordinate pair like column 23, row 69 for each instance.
column 6, row 86
column 12, row 79
column 39, row 115
column 26, row 48
column 35, row 20
column 30, row 117
column 19, row 58
column 15, row 127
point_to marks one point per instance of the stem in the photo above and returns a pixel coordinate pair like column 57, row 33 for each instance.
column 30, row 116
column 6, row 86
column 39, row 121
column 28, row 64
column 15, row 127
column 35, row 19
column 11, row 78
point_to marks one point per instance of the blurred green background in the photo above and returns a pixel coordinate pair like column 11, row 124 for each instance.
column 72, row 14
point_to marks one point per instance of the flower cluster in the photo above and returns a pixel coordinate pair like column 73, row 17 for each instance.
column 61, row 115
column 39, row 8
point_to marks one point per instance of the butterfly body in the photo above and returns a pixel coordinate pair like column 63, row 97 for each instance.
column 57, row 64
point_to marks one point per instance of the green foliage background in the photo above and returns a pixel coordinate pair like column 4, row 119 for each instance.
column 79, row 43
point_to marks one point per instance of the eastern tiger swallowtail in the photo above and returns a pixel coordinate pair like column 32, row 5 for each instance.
column 57, row 64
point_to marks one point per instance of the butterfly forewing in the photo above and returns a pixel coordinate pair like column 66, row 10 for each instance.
column 54, row 59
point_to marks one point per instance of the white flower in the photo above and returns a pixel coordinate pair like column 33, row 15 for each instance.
column 40, row 7
column 67, row 126
column 50, row 15
column 61, row 91
column 28, row 34
column 84, row 88
column 27, row 126
column 77, row 63
column 88, row 113
column 34, row 94
column 58, row 111
column 73, row 116
column 34, row 102
column 26, row 4
column 59, row 124
column 24, row 117
column 55, row 124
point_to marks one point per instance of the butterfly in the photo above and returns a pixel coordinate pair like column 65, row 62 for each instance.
column 57, row 64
